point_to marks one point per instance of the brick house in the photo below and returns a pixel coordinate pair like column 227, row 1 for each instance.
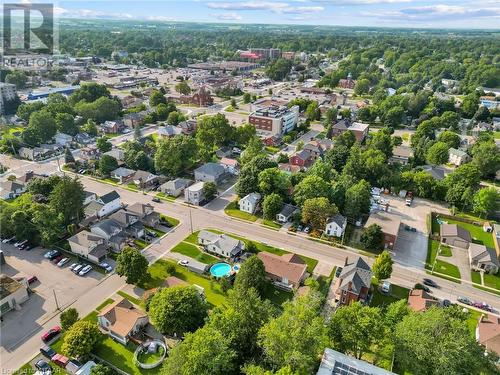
column 353, row 283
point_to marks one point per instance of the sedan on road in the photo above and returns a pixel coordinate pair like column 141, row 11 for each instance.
column 51, row 333
column 430, row 282
column 464, row 300
column 483, row 306
column 183, row 262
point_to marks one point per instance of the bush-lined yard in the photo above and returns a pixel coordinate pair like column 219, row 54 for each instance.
column 233, row 210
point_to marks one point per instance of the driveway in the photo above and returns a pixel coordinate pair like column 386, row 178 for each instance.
column 53, row 283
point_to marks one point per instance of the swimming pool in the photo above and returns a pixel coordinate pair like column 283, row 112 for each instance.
column 220, row 270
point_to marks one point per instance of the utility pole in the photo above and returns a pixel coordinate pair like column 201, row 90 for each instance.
column 55, row 298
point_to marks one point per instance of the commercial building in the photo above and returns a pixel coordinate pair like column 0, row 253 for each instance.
column 266, row 53
column 35, row 95
column 275, row 120
column 12, row 293
column 229, row 66
column 389, row 223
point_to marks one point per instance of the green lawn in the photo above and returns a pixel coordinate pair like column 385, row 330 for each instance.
column 165, row 197
column 271, row 224
column 109, row 180
column 432, row 248
column 445, row 251
column 140, row 243
column 447, row 269
column 158, row 232
column 107, row 302
column 476, row 231
column 496, row 134
column 476, row 277
column 382, row 299
column 194, row 252
column 171, row 220
column 132, row 187
column 472, row 321
column 233, row 210
column 272, row 150
column 158, row 273
column 127, row 296
column 493, row 281
column 277, row 296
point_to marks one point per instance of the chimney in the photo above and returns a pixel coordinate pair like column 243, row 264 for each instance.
column 346, row 261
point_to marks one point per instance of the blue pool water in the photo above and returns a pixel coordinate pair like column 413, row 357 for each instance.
column 220, row 269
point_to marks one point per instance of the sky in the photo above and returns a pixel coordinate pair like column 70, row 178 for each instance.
column 464, row 14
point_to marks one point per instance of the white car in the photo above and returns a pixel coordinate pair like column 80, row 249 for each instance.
column 85, row 270
column 8, row 239
column 386, row 287
column 106, row 266
column 62, row 262
column 183, row 262
column 73, row 265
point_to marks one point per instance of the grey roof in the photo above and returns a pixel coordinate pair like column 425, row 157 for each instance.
column 117, row 153
column 288, row 210
column 169, row 130
column 336, row 363
column 11, row 186
column 456, row 152
column 222, row 241
column 110, row 197
column 85, row 238
column 253, row 198
column 481, row 253
column 178, row 183
column 143, row 175
column 358, row 273
column 303, row 154
column 212, row 169
column 92, row 208
column 124, row 218
column 388, row 222
column 338, row 219
column 88, row 193
column 438, row 173
column 122, row 172
column 454, row 230
column 108, row 226
column 402, row 151
column 341, row 125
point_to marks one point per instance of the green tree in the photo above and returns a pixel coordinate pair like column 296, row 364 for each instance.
column 362, row 86
column 43, row 126
column 101, row 369
column 177, row 310
column 248, row 178
column 18, row 78
column 80, row 339
column 103, row 109
column 49, row 223
column 450, row 120
column 244, row 134
column 137, row 132
column 297, row 337
column 382, row 267
column 67, row 198
column 316, row 211
column 273, row 180
column 394, row 116
column 204, row 352
column 482, row 114
column 395, row 313
column 470, row 105
column 313, row 112
column 382, row 141
column 103, row 144
column 209, row 190
column 252, row 274
column 89, row 92
column 90, row 127
column 25, row 110
column 183, row 88
column 486, row 201
column 486, row 158
column 357, row 200
column 253, row 149
column 65, row 123
column 372, row 237
column 156, row 98
column 107, row 164
column 173, row 155
column 175, row 117
column 311, row 187
column 438, row 153
column 355, row 328
column 271, row 206
column 441, row 335
column 247, row 98
column 68, row 318
column 132, row 264
column 68, row 156
column 212, row 132
column 278, row 69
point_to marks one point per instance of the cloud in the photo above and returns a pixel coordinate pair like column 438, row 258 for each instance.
column 276, row 7
column 89, row 13
column 362, row 2
column 228, row 16
column 160, row 18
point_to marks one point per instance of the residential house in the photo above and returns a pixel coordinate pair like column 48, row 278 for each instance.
column 83, row 138
column 457, row 157
column 118, row 154
column 168, row 131
column 89, row 153
column 112, row 232
column 419, row 300
column 488, row 332
column 220, row 244
column 34, row 153
column 110, row 127
column 353, row 283
column 250, row 203
column 194, row 194
column 123, row 174
column 129, row 222
column 302, row 159
column 175, row 187
column 401, row 155
column 110, row 201
column 122, row 320
column 359, row 129
column 317, row 148
column 482, row 258
column 146, row 214
column 437, row 172
column 210, row 172
column 11, row 189
column 337, row 363
column 89, row 245
column 336, row 225
column 224, row 152
column 188, row 127
column 455, row 235
column 134, row 119
column 144, row 179
column 389, row 223
column 63, row 139
column 287, row 271
column 13, row 292
column 89, row 197
column 230, row 165
column 287, row 212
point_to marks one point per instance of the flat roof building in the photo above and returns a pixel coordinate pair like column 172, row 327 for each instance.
column 274, row 120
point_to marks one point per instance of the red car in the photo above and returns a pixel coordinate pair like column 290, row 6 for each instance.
column 57, row 259
column 32, row 279
column 51, row 333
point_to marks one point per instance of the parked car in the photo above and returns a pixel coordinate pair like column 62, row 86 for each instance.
column 62, row 262
column 307, row 229
column 422, row 287
column 32, row 279
column 51, row 254
column 20, row 243
column 156, row 199
column 77, row 268
column 464, row 300
column 57, row 259
column 386, row 287
column 47, row 351
column 106, row 266
column 151, row 233
column 430, row 282
column 338, row 271
column 446, row 303
column 51, row 333
column 8, row 240
column 85, row 270
column 483, row 306
column 43, row 367
column 183, row 262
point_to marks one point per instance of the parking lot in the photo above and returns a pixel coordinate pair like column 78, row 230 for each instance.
column 53, row 283
column 411, row 246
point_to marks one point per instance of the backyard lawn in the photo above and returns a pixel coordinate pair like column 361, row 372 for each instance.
column 233, row 210
column 192, row 251
column 441, row 266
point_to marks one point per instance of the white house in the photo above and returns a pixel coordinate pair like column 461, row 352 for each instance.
column 482, row 258
column 230, row 165
column 89, row 197
column 220, row 244
column 111, row 203
column 250, row 202
column 175, row 187
column 335, row 225
column 457, row 157
column 286, row 213
column 11, row 189
column 194, row 194
column 122, row 320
